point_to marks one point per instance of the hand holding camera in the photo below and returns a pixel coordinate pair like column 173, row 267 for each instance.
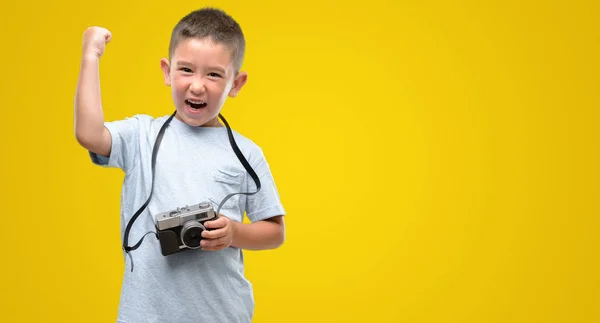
column 219, row 235
column 193, row 227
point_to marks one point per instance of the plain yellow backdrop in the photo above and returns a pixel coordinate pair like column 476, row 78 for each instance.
column 438, row 160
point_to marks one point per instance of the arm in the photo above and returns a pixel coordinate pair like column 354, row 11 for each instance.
column 88, row 116
column 260, row 235
column 265, row 234
column 264, row 210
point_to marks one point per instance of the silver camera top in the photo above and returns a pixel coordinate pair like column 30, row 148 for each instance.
column 202, row 211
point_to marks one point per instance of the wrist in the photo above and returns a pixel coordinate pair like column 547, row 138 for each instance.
column 90, row 57
column 235, row 229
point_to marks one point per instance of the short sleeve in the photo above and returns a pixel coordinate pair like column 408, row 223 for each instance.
column 266, row 203
column 124, row 151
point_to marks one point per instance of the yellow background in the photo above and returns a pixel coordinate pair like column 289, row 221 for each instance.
column 438, row 160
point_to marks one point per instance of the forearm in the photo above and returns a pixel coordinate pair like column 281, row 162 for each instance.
column 89, row 118
column 260, row 235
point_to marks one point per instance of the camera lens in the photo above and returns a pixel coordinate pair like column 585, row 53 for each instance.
column 191, row 234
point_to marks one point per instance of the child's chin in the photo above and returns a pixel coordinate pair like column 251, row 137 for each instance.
column 189, row 120
column 193, row 122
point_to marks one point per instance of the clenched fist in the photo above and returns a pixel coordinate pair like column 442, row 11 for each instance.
column 95, row 40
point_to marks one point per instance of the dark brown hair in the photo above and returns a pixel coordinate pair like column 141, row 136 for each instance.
column 214, row 24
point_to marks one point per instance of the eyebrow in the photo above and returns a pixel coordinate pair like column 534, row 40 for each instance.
column 215, row 68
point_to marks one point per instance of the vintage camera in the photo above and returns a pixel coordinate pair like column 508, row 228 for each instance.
column 181, row 229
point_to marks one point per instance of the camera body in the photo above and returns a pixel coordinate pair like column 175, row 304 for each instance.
column 180, row 229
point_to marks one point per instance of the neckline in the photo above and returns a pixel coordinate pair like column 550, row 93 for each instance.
column 183, row 127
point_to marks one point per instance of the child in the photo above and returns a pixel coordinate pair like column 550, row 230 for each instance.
column 194, row 163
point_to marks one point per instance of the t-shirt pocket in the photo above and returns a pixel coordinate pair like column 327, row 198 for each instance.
column 226, row 181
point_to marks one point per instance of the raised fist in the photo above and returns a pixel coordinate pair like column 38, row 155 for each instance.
column 95, row 40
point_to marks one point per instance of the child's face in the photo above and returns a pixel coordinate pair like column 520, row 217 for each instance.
column 201, row 76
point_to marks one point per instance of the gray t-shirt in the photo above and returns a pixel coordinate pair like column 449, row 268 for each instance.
column 193, row 164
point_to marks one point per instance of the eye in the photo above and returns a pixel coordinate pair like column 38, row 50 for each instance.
column 214, row 74
column 185, row 69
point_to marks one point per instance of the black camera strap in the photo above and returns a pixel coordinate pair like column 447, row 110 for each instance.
column 244, row 162
column 126, row 246
column 159, row 137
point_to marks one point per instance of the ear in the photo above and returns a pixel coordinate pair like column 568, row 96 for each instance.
column 166, row 69
column 238, row 83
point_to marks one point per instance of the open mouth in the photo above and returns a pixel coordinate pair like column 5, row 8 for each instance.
column 195, row 105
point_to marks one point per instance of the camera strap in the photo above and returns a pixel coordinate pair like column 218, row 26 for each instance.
column 244, row 162
column 159, row 137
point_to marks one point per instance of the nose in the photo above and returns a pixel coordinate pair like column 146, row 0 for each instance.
column 197, row 86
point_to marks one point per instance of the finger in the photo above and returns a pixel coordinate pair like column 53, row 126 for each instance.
column 212, row 243
column 214, row 234
column 215, row 224
column 107, row 37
